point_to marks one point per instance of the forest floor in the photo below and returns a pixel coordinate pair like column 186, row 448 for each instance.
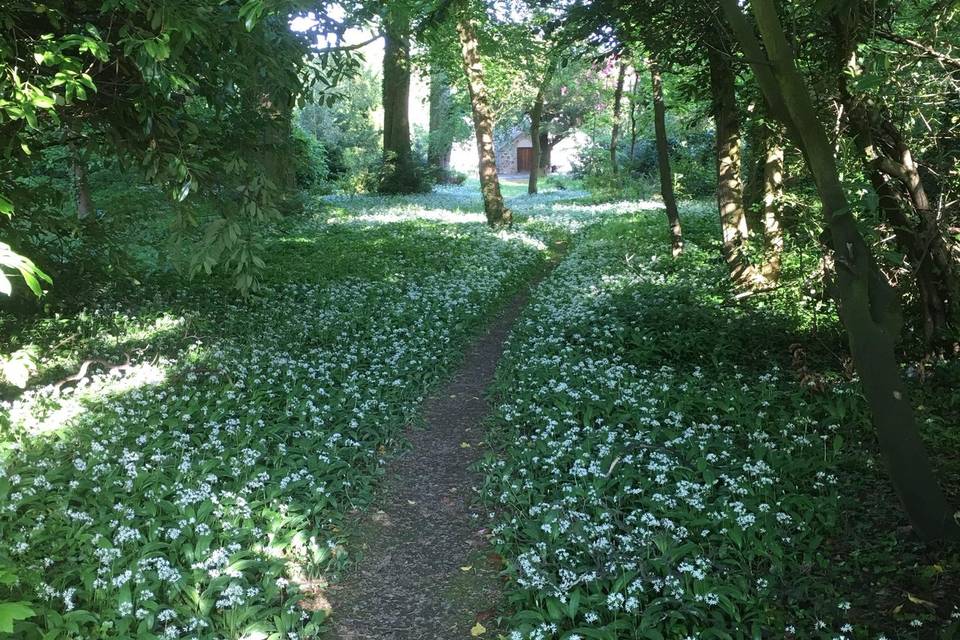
column 426, row 568
column 349, row 455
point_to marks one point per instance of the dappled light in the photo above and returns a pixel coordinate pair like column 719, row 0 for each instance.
column 472, row 319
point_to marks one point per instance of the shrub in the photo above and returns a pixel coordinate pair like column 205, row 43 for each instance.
column 408, row 177
column 448, row 176
column 309, row 160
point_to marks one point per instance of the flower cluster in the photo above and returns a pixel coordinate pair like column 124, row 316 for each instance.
column 656, row 477
column 171, row 497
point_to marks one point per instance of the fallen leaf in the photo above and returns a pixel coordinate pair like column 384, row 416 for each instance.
column 486, row 615
column 478, row 630
column 466, row 568
column 915, row 600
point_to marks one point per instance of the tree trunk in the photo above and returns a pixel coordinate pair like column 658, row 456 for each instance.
column 546, row 151
column 733, row 220
column 535, row 115
column 663, row 161
column 398, row 170
column 772, row 195
column 440, row 142
column 538, row 138
column 496, row 211
column 868, row 305
column 634, row 93
column 615, row 133
column 81, row 186
column 903, row 201
column 753, row 178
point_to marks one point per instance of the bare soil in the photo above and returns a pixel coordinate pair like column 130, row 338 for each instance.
column 426, row 572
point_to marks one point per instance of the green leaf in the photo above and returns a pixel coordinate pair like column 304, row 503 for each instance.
column 10, row 612
column 837, row 443
column 573, row 604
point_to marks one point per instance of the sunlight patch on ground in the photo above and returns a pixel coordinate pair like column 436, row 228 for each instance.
column 50, row 408
column 387, row 217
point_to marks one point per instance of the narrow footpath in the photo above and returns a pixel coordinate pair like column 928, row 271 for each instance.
column 426, row 572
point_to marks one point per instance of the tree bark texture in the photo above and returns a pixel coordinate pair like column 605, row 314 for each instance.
column 536, row 114
column 396, row 103
column 440, row 143
column 772, row 196
column 496, row 211
column 868, row 305
column 733, row 219
column 663, row 161
column 81, row 185
column 617, row 103
column 902, row 198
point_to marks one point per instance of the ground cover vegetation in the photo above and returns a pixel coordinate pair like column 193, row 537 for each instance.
column 234, row 259
column 193, row 492
column 669, row 464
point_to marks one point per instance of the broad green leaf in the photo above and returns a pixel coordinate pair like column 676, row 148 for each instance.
column 11, row 612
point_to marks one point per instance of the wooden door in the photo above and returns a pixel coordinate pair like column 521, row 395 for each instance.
column 524, row 159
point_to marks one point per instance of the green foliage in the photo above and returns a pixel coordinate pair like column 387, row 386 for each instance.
column 342, row 123
column 189, row 118
column 11, row 611
column 670, row 462
column 395, row 177
column 448, row 176
column 690, row 158
column 31, row 275
column 202, row 488
column 309, row 161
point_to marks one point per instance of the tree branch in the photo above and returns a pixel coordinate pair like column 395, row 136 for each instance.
column 943, row 58
column 349, row 47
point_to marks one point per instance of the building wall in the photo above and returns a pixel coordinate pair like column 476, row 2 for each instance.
column 464, row 155
column 507, row 153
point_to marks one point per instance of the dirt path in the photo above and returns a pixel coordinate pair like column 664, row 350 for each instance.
column 425, row 573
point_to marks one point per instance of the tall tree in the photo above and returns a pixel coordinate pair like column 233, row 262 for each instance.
column 772, row 197
column 440, row 140
column 494, row 207
column 617, row 104
column 663, row 160
column 196, row 96
column 539, row 137
column 868, row 306
column 895, row 177
column 733, row 219
column 634, row 107
column 397, row 155
column 536, row 151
